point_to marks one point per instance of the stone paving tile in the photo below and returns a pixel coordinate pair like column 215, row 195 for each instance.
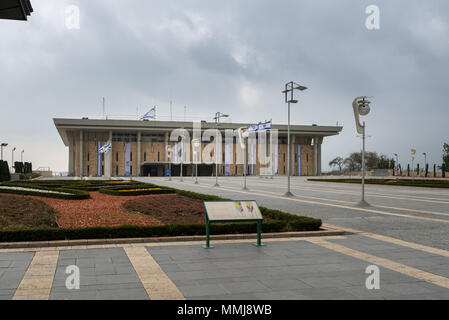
column 202, row 290
column 104, row 274
column 422, row 260
column 296, row 274
column 250, row 286
column 14, row 266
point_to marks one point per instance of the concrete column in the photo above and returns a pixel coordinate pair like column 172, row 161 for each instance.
column 81, row 153
column 71, row 157
column 108, row 159
column 292, row 156
column 139, row 139
column 166, row 144
column 320, row 140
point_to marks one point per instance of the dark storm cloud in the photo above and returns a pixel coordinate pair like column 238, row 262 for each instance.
column 233, row 57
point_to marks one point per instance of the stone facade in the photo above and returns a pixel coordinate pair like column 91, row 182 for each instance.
column 148, row 145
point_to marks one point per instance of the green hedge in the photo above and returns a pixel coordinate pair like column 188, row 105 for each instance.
column 49, row 234
column 4, row 171
column 393, row 182
column 74, row 194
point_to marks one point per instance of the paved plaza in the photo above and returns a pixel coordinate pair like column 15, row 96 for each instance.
column 404, row 233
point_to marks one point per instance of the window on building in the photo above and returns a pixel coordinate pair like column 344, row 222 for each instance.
column 131, row 170
column 88, row 169
column 130, row 156
column 102, row 157
column 158, row 156
column 88, row 157
column 284, row 156
column 307, row 157
column 144, row 156
column 116, row 156
column 116, row 170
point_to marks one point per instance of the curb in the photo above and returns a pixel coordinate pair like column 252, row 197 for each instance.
column 87, row 242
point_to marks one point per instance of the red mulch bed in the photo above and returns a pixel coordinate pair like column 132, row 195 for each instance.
column 99, row 211
column 168, row 208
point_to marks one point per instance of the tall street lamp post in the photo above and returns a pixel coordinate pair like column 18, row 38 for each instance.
column 21, row 156
column 218, row 116
column 425, row 159
column 361, row 108
column 289, row 88
column 397, row 163
column 3, row 145
column 413, row 153
column 196, row 145
column 12, row 159
column 243, row 135
column 182, row 156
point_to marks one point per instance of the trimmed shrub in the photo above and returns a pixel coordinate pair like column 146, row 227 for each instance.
column 135, row 191
column 398, row 182
column 4, row 171
column 48, row 234
column 27, row 167
column 72, row 194
column 18, row 167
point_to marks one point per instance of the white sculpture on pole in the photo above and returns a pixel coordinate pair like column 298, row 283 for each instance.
column 361, row 108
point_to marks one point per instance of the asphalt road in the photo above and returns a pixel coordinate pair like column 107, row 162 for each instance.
column 413, row 214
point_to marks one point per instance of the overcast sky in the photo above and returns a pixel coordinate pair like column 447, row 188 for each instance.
column 231, row 56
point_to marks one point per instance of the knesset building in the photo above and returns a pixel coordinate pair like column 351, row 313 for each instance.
column 139, row 148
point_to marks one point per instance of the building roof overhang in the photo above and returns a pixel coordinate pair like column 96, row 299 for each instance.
column 65, row 125
column 15, row 9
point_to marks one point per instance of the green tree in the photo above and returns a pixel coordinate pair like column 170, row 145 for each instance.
column 446, row 155
column 338, row 161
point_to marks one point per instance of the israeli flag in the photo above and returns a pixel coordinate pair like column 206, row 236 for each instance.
column 150, row 115
column 265, row 126
column 253, row 128
column 105, row 148
column 261, row 126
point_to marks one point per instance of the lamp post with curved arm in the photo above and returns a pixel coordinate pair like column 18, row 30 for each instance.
column 218, row 116
column 361, row 108
column 289, row 88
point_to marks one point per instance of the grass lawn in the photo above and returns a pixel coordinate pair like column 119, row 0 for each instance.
column 24, row 212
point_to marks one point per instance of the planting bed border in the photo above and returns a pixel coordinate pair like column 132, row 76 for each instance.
column 281, row 222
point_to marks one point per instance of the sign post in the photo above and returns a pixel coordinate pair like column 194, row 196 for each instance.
column 233, row 211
